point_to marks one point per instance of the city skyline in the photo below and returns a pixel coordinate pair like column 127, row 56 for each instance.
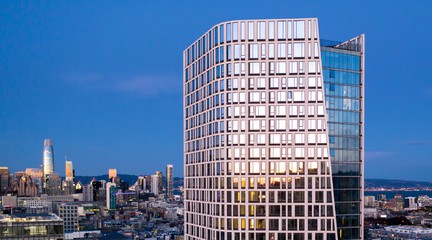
column 104, row 83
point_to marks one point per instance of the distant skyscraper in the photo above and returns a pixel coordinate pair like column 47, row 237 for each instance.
column 112, row 173
column 53, row 184
column 169, row 180
column 88, row 193
column 155, row 184
column 48, row 158
column 36, row 175
column 69, row 171
column 111, row 200
column 269, row 112
column 160, row 182
column 4, row 180
column 68, row 183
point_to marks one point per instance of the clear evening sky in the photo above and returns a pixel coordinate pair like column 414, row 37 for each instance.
column 103, row 79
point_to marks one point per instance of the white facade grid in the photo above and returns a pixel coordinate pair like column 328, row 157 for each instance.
column 257, row 162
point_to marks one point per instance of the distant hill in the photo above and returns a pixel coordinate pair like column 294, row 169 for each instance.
column 388, row 183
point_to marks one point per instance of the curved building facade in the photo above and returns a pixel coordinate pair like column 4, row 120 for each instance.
column 256, row 144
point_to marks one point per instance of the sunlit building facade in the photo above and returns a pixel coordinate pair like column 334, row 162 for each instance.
column 36, row 175
column 256, row 138
column 112, row 173
column 160, row 181
column 69, row 171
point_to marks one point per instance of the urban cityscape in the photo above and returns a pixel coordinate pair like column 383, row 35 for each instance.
column 276, row 126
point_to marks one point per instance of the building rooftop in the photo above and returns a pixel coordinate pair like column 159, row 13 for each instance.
column 25, row 217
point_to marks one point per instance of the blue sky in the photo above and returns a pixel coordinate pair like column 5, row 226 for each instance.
column 103, row 79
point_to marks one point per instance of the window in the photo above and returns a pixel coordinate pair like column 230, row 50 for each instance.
column 299, row 138
column 250, row 30
column 271, row 30
column 281, row 96
column 292, row 82
column 242, row 30
column 275, row 138
column 274, row 82
column 280, row 124
column 271, row 50
column 311, row 136
column 298, row 96
column 261, row 139
column 299, row 152
column 299, row 29
column 254, row 68
column 261, row 83
column 254, row 97
column 281, row 50
column 293, row 67
column 275, row 152
column 254, row 167
column 236, row 51
column 312, row 67
column 299, row 50
column 281, row 30
column 281, row 68
column 235, row 32
column 261, row 30
column 253, row 51
column 263, row 50
column 312, row 82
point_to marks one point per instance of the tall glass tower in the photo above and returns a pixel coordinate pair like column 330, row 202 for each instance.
column 48, row 158
column 258, row 140
column 343, row 69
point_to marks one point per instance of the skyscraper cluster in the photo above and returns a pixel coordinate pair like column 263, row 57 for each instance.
column 36, row 181
column 273, row 128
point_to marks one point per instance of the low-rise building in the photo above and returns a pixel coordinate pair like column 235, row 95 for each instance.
column 31, row 226
column 401, row 232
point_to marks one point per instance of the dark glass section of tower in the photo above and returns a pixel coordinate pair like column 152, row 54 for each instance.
column 342, row 72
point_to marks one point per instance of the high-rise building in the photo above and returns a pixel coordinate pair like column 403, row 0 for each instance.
column 169, row 180
column 343, row 65
column 70, row 173
column 268, row 108
column 160, row 181
column 53, row 184
column 24, row 186
column 4, row 180
column 88, row 193
column 97, row 186
column 111, row 197
column 112, row 173
column 155, row 184
column 141, row 183
column 48, row 158
column 36, row 175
